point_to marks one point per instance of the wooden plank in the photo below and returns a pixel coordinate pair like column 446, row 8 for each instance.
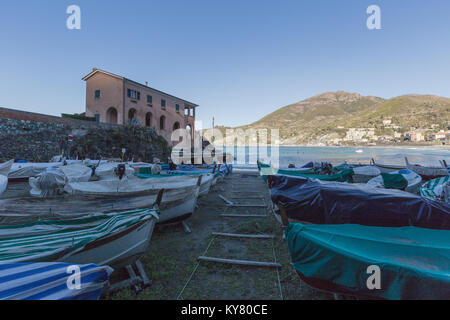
column 247, row 198
column 241, row 262
column 247, row 205
column 244, row 215
column 250, row 236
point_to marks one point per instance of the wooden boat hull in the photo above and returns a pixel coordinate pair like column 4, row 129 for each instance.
column 117, row 250
column 179, row 212
column 116, row 239
column 388, row 168
column 429, row 173
column 207, row 181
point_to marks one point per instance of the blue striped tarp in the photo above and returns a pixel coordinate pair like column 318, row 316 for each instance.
column 51, row 281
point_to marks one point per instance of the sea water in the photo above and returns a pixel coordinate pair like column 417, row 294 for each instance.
column 283, row 156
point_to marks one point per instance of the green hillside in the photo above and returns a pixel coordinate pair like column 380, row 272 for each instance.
column 328, row 116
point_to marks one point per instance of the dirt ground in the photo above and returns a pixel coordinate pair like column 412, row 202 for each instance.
column 172, row 255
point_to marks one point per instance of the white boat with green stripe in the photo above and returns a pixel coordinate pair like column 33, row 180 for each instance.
column 114, row 239
column 435, row 189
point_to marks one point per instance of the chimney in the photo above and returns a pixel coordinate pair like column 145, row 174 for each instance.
column 146, row 83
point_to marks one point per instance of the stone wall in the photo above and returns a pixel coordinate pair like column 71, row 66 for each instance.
column 30, row 136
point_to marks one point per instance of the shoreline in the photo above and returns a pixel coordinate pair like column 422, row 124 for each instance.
column 415, row 147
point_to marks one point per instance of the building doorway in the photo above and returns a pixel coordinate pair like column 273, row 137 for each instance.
column 148, row 119
column 111, row 115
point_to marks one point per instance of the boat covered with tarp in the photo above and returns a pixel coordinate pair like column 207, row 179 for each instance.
column 49, row 281
column 414, row 263
column 114, row 239
column 319, row 202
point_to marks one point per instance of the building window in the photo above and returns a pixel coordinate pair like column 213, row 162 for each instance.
column 97, row 94
column 149, row 99
column 97, row 118
column 133, row 94
column 163, row 103
column 177, row 107
column 162, row 122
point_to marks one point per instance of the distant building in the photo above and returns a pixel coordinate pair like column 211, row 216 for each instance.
column 415, row 136
column 115, row 99
column 387, row 122
column 439, row 135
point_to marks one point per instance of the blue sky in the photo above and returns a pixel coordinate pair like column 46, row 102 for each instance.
column 238, row 59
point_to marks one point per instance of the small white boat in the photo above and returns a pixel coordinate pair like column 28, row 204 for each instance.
column 427, row 173
column 412, row 181
column 386, row 168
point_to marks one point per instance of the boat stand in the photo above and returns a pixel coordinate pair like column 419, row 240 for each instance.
column 186, row 227
column 137, row 280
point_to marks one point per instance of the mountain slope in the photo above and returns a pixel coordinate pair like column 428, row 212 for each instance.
column 300, row 122
column 328, row 116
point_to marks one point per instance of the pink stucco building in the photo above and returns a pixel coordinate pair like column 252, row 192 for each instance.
column 115, row 99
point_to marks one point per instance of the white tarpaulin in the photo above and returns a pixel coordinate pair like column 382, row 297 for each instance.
column 26, row 170
column 48, row 183
column 76, row 173
column 129, row 185
column 4, row 170
column 82, row 173
column 3, row 183
column 365, row 173
column 5, row 167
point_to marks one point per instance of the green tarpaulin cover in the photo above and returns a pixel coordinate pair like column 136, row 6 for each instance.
column 394, row 181
column 414, row 262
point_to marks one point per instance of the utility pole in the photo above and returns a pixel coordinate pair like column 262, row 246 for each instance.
column 212, row 138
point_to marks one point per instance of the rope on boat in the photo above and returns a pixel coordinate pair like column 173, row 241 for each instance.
column 195, row 269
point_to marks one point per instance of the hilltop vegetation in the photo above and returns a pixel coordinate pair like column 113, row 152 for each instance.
column 328, row 117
